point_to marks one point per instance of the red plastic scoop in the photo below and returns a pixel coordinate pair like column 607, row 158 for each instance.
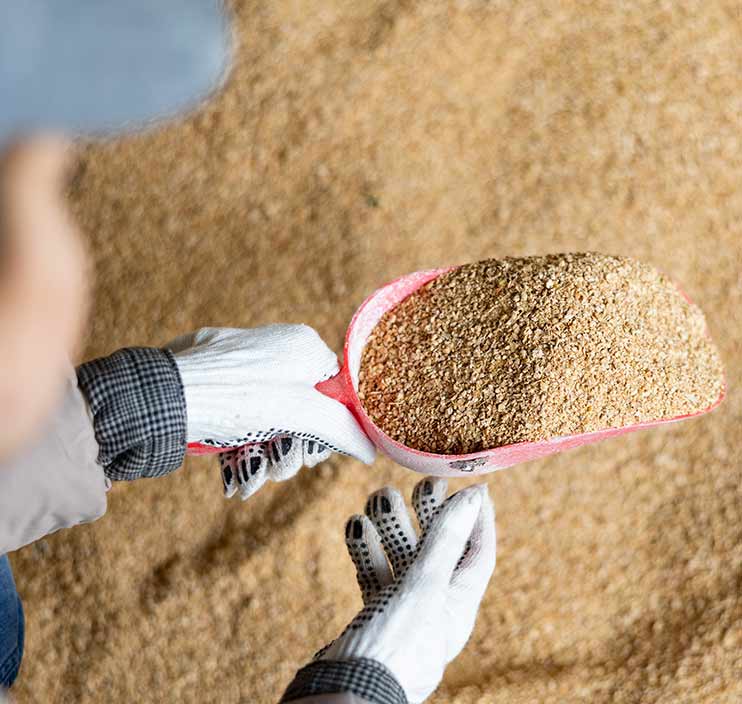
column 344, row 388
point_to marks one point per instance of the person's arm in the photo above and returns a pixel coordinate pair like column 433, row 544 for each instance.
column 420, row 595
column 51, row 461
column 120, row 417
column 249, row 393
column 133, row 412
column 345, row 682
column 344, row 698
column 54, row 481
column 138, row 408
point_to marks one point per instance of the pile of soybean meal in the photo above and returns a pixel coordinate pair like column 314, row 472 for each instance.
column 525, row 349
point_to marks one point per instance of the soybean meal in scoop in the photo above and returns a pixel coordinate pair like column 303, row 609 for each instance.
column 525, row 349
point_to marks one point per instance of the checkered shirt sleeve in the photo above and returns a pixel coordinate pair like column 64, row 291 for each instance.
column 367, row 679
column 139, row 412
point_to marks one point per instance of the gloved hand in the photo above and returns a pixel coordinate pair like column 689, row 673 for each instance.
column 421, row 596
column 253, row 390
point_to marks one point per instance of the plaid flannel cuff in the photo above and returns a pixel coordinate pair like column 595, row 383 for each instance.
column 367, row 679
column 139, row 412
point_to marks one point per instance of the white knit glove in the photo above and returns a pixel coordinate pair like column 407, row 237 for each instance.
column 421, row 597
column 254, row 390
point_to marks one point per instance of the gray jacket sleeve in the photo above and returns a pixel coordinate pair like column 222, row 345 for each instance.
column 55, row 482
column 121, row 417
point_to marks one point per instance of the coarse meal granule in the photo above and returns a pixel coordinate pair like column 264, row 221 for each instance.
column 524, row 349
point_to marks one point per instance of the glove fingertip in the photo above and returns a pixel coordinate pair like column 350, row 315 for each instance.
column 488, row 505
column 227, row 467
column 248, row 489
column 450, row 532
column 354, row 527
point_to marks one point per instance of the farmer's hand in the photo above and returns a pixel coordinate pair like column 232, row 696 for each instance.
column 421, row 596
column 253, row 390
column 43, row 285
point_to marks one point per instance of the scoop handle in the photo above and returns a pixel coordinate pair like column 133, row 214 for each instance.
column 197, row 448
column 336, row 387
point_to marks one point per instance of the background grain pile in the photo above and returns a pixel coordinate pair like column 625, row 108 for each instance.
column 357, row 141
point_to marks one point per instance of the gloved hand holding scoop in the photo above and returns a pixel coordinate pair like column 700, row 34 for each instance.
column 252, row 396
column 344, row 387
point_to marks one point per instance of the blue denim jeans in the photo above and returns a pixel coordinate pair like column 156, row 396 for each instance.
column 11, row 626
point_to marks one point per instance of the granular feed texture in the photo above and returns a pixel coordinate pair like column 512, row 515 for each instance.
column 524, row 349
column 356, row 142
